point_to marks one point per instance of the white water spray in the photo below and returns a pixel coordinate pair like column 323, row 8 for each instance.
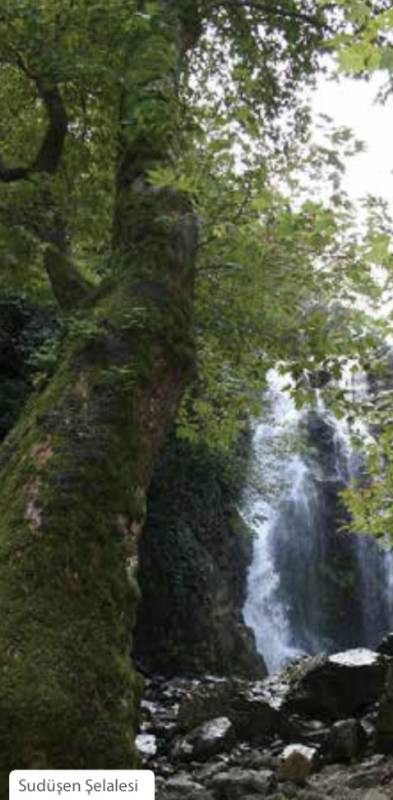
column 310, row 588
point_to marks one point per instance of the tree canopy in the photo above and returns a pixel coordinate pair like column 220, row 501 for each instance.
column 236, row 127
column 161, row 189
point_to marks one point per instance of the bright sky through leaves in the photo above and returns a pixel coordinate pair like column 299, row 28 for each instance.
column 351, row 103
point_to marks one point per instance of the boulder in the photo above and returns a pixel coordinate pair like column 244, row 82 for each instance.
column 255, row 714
column 235, row 783
column 376, row 794
column 146, row 744
column 386, row 646
column 297, row 763
column 384, row 722
column 203, row 702
column 209, row 739
column 346, row 740
column 338, row 686
column 182, row 787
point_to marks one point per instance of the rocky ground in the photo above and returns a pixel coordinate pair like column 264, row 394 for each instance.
column 322, row 728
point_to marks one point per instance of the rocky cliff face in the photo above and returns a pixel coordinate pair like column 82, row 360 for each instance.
column 194, row 555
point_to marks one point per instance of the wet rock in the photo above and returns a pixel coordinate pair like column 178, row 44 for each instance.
column 257, row 716
column 182, row 787
column 345, row 740
column 384, row 722
column 254, row 713
column 288, row 790
column 339, row 685
column 149, row 709
column 236, row 783
column 146, row 744
column 356, row 782
column 183, row 781
column 368, row 777
column 256, row 759
column 367, row 725
column 297, row 763
column 386, row 646
column 209, row 739
column 235, row 772
column 182, row 750
column 203, row 702
column 207, row 772
column 314, row 733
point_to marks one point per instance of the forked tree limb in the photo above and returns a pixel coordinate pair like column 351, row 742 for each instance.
column 51, row 148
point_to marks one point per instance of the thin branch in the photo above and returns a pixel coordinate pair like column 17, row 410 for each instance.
column 51, row 149
column 71, row 290
column 272, row 8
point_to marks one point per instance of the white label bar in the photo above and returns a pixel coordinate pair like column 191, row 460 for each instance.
column 96, row 784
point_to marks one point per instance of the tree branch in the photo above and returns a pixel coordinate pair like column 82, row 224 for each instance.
column 71, row 290
column 50, row 151
column 266, row 7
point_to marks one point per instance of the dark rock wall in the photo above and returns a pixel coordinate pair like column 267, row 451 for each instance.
column 194, row 555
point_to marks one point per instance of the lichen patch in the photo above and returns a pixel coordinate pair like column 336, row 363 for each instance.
column 33, row 514
column 41, row 453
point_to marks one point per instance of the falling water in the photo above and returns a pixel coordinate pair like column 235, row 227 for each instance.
column 311, row 588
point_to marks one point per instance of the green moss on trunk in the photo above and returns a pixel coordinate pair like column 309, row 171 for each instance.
column 74, row 475
column 75, row 471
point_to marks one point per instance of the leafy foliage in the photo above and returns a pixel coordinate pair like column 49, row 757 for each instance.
column 277, row 272
column 28, row 339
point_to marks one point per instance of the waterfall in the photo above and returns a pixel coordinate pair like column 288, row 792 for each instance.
column 311, row 588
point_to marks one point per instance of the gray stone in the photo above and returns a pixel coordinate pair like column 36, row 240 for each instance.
column 146, row 744
column 203, row 703
column 338, row 686
column 206, row 772
column 183, row 786
column 365, row 778
column 181, row 750
column 367, row 724
column 209, row 739
column 255, row 714
column 235, row 783
column 258, row 717
column 261, row 760
column 297, row 763
column 260, row 797
column 384, row 722
column 386, row 646
column 184, row 794
column 345, row 740
column 315, row 734
column 288, row 790
column 358, row 657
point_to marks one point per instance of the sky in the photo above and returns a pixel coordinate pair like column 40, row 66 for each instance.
column 351, row 103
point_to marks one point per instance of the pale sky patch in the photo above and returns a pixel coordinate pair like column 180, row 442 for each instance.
column 351, row 103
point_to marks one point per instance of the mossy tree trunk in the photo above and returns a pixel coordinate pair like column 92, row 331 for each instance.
column 74, row 472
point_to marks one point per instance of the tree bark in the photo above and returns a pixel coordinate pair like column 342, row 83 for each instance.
column 74, row 472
